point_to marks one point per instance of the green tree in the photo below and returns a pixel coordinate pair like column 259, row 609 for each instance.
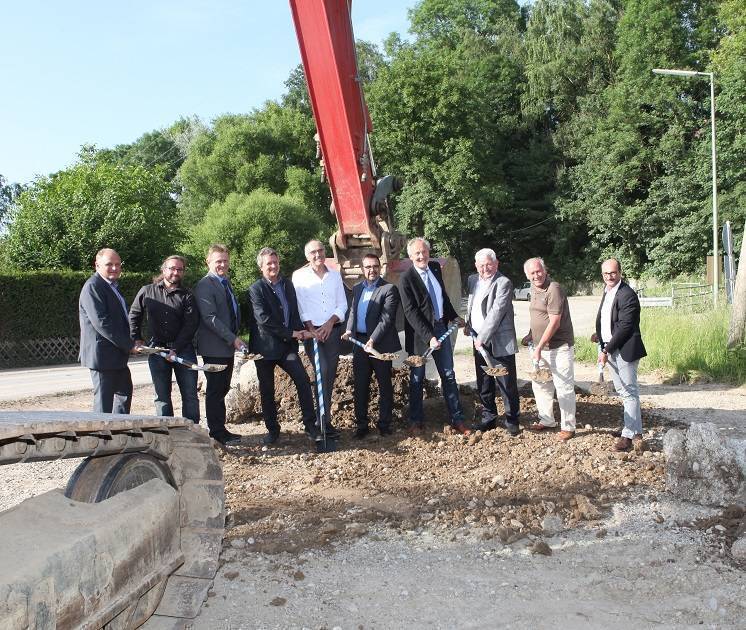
column 241, row 153
column 9, row 192
column 248, row 222
column 62, row 220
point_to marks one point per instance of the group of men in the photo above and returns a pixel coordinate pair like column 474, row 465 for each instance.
column 311, row 307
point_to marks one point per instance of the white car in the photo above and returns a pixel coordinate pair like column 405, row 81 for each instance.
column 523, row 292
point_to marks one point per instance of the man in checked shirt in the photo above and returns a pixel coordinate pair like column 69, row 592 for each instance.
column 322, row 304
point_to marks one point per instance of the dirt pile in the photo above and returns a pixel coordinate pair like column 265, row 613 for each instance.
column 489, row 486
column 246, row 407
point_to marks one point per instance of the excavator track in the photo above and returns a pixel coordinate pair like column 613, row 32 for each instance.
column 134, row 540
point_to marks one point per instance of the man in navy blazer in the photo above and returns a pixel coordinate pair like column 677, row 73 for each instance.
column 427, row 311
column 275, row 328
column 618, row 330
column 372, row 321
column 105, row 342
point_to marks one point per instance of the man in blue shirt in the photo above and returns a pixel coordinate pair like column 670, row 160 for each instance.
column 372, row 321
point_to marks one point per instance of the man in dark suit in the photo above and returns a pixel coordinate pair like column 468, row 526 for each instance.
column 372, row 321
column 427, row 311
column 217, row 338
column 275, row 329
column 618, row 330
column 489, row 314
column 105, row 342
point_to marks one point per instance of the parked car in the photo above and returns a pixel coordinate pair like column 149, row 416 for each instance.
column 522, row 292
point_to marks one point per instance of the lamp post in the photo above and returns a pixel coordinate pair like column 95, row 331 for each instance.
column 711, row 76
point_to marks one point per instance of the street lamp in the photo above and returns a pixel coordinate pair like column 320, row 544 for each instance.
column 711, row 76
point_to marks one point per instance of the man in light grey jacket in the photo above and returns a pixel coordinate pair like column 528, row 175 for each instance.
column 490, row 317
column 217, row 338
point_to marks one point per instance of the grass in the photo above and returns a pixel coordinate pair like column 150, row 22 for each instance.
column 684, row 343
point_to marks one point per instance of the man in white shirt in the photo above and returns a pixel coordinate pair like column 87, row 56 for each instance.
column 618, row 331
column 490, row 317
column 322, row 304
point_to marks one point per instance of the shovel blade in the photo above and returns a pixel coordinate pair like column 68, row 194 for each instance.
column 212, row 367
column 326, row 445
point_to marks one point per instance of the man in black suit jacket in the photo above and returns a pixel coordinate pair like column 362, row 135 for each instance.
column 372, row 321
column 618, row 330
column 275, row 329
column 427, row 311
column 105, row 341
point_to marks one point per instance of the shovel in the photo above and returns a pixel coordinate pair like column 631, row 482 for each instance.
column 600, row 387
column 326, row 444
column 492, row 368
column 382, row 356
column 245, row 354
column 538, row 374
column 165, row 352
column 417, row 361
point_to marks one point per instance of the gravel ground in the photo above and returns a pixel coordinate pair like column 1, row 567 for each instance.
column 446, row 531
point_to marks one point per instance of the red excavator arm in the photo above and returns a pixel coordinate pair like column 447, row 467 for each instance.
column 359, row 200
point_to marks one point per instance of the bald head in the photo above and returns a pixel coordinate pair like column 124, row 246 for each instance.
column 108, row 264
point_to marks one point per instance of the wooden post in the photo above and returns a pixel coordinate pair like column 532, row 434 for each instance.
column 738, row 312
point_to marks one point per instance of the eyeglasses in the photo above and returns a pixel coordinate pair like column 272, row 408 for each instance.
column 371, row 266
column 609, row 274
column 176, row 269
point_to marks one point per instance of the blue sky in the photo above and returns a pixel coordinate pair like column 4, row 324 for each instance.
column 104, row 73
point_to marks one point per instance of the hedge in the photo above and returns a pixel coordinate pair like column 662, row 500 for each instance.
column 43, row 304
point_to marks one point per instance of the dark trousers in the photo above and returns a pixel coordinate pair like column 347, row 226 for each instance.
column 112, row 390
column 292, row 366
column 218, row 385
column 443, row 358
column 162, row 373
column 508, row 384
column 329, row 359
column 363, row 366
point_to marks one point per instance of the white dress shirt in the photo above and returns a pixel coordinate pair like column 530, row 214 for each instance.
column 424, row 274
column 480, row 292
column 606, row 311
column 319, row 298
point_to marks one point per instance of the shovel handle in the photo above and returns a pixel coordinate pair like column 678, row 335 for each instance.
column 483, row 352
column 370, row 351
column 442, row 338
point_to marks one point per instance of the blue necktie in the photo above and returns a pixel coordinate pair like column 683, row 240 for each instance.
column 231, row 303
column 120, row 297
column 433, row 298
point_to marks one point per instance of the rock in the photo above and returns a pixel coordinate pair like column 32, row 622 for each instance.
column 328, row 529
column 278, row 601
column 658, row 518
column 231, row 575
column 238, row 543
column 585, row 510
column 299, row 575
column 474, row 438
column 601, row 533
column 703, row 467
column 552, row 524
column 540, row 547
column 738, row 550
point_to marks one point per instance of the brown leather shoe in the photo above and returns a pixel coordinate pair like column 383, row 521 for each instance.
column 563, row 436
column 462, row 429
column 538, row 427
column 623, row 444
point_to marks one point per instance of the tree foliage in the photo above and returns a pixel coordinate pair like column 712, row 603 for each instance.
column 248, row 222
column 61, row 221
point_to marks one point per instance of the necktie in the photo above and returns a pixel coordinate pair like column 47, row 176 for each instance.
column 120, row 297
column 433, row 298
column 231, row 304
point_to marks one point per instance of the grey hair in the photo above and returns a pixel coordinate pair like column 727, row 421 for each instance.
column 264, row 251
column 487, row 253
column 412, row 242
column 530, row 260
column 313, row 240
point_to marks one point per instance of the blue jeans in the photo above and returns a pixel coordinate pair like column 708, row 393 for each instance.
column 444, row 362
column 625, row 383
column 161, row 371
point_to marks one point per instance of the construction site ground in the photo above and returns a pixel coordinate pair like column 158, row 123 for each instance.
column 448, row 531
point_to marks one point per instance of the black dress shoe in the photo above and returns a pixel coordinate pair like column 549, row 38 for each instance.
column 233, row 436
column 385, row 430
column 227, row 439
column 361, row 431
column 485, row 426
column 313, row 433
column 332, row 432
column 513, row 429
column 270, row 438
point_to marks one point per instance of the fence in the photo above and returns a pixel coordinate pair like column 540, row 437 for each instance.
column 683, row 295
column 33, row 352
